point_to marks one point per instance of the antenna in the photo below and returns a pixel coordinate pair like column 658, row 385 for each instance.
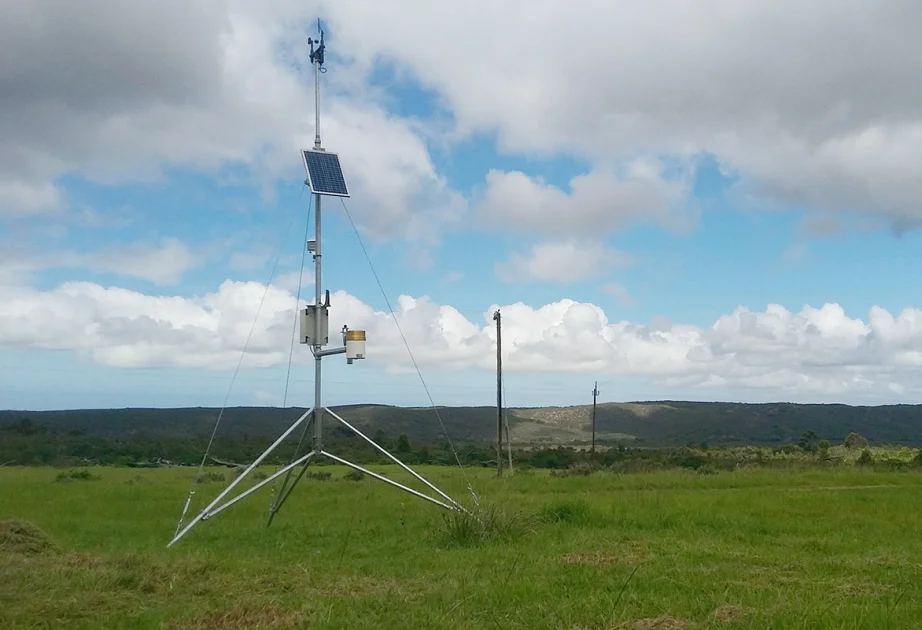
column 325, row 178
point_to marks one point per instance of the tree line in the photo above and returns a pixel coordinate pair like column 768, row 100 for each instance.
column 26, row 443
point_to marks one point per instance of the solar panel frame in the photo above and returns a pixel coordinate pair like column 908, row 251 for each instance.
column 319, row 187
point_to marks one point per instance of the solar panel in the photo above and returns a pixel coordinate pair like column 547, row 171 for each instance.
column 324, row 174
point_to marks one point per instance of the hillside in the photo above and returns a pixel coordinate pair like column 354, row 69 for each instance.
column 663, row 423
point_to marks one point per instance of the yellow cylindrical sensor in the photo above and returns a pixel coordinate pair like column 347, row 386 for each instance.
column 355, row 344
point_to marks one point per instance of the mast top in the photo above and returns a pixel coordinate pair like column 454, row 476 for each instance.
column 317, row 55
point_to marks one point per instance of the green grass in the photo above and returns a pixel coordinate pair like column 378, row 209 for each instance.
column 838, row 548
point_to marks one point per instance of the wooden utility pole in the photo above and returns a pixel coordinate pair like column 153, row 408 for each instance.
column 595, row 394
column 499, row 394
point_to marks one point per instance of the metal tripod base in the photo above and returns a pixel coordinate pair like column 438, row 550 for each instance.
column 216, row 506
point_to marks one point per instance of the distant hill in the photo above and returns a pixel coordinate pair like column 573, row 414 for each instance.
column 662, row 423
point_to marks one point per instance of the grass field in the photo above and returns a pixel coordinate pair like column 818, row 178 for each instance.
column 837, row 548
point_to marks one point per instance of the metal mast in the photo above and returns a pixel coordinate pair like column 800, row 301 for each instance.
column 317, row 61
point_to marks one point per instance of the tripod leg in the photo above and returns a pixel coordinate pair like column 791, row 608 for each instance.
column 287, row 491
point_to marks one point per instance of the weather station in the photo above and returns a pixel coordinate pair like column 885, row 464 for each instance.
column 324, row 177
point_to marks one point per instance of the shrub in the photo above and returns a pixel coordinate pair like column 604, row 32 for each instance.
column 320, row 475
column 354, row 475
column 210, row 477
column 77, row 475
column 708, row 469
column 855, row 440
column 639, row 465
column 256, row 475
column 579, row 469
column 865, row 459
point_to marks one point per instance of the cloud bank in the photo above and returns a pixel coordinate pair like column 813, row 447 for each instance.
column 818, row 351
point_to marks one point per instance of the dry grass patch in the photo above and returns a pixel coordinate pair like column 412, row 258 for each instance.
column 242, row 618
column 24, row 538
column 592, row 559
column 629, row 554
column 363, row 586
column 727, row 613
column 655, row 623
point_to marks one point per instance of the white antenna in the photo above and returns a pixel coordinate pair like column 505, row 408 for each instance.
column 325, row 178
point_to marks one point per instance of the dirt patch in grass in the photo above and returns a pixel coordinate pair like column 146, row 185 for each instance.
column 655, row 623
column 727, row 613
column 24, row 538
column 622, row 554
column 242, row 618
column 592, row 559
column 359, row 586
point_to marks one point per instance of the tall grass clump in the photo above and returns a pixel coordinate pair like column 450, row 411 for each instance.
column 76, row 475
column 460, row 528
column 576, row 511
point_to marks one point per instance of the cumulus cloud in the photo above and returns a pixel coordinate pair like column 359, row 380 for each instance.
column 118, row 93
column 620, row 293
column 813, row 104
column 20, row 198
column 114, row 92
column 597, row 202
column 291, row 280
column 817, row 351
column 162, row 263
column 565, row 261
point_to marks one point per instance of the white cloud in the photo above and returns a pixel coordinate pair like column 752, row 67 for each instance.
column 565, row 261
column 116, row 94
column 217, row 84
column 291, row 280
column 620, row 293
column 813, row 104
column 247, row 260
column 817, row 352
column 22, row 198
column 598, row 201
column 164, row 263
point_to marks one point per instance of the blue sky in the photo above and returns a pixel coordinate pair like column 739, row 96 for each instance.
column 667, row 243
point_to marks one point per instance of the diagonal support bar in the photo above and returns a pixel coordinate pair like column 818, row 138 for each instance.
column 259, row 485
column 285, row 493
column 394, row 459
column 389, row 481
column 307, row 426
column 201, row 515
